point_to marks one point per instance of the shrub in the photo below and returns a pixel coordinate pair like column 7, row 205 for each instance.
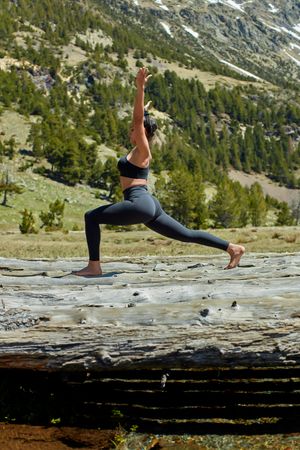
column 53, row 219
column 27, row 224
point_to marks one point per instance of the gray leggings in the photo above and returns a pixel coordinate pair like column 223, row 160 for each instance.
column 140, row 207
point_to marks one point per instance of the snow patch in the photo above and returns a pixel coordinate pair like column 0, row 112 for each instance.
column 295, row 46
column 161, row 5
column 136, row 2
column 242, row 71
column 297, row 36
column 297, row 28
column 192, row 32
column 284, row 29
column 272, row 8
column 270, row 26
column 166, row 28
column 294, row 59
column 231, row 3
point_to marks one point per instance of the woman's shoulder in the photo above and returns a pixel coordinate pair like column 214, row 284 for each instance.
column 142, row 158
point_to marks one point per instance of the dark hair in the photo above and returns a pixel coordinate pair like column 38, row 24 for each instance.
column 149, row 124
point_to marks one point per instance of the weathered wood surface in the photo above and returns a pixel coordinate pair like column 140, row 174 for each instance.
column 146, row 312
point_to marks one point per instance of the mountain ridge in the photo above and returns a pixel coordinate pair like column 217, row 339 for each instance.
column 267, row 33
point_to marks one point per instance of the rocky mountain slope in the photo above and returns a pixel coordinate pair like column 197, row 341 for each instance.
column 259, row 37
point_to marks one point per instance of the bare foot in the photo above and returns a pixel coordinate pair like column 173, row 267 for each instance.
column 235, row 252
column 93, row 269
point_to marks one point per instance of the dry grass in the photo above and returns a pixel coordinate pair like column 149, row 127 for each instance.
column 272, row 188
column 292, row 238
column 208, row 79
column 142, row 243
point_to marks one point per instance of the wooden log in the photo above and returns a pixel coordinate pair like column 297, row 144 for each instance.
column 151, row 313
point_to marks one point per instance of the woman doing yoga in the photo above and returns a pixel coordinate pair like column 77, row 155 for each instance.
column 138, row 205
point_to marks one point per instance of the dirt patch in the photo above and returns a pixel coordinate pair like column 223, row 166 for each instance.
column 14, row 125
column 72, row 55
column 269, row 187
column 105, row 152
column 213, row 442
column 95, row 37
column 208, row 79
column 26, row 437
column 6, row 63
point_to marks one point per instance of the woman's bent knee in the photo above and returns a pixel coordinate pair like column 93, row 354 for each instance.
column 88, row 216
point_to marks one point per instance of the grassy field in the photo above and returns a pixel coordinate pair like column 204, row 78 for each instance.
column 142, row 242
column 40, row 191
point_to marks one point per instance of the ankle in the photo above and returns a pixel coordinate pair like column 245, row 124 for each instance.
column 94, row 265
column 235, row 248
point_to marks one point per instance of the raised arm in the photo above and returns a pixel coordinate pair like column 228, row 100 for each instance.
column 138, row 110
column 139, row 133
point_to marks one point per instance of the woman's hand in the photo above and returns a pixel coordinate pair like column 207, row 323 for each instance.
column 147, row 106
column 142, row 77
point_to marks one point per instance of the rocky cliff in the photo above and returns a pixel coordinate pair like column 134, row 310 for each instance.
column 251, row 37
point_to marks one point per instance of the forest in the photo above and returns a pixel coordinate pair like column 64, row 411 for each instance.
column 203, row 134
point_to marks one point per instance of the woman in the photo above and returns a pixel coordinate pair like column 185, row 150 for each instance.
column 138, row 205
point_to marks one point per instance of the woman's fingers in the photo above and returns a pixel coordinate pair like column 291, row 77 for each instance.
column 147, row 106
column 143, row 75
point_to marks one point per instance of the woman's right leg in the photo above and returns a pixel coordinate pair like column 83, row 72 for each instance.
column 122, row 213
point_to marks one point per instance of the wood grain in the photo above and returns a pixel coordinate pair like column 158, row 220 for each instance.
column 151, row 313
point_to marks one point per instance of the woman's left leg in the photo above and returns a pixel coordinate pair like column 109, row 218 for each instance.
column 169, row 227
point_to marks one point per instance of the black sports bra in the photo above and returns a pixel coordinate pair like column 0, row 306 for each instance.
column 129, row 170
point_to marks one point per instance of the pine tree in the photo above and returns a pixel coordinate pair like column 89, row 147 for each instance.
column 224, row 208
column 234, row 155
column 182, row 196
column 223, row 148
column 257, row 205
column 248, row 157
column 284, row 215
column 242, row 200
column 277, row 163
column 110, row 178
column 212, row 133
column 259, row 148
column 8, row 187
column 178, row 197
column 200, row 206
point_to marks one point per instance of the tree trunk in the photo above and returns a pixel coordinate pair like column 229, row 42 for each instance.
column 4, row 201
column 151, row 313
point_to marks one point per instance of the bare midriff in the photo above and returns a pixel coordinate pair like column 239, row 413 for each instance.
column 130, row 182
